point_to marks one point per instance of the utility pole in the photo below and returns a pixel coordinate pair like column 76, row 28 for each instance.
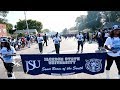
column 26, row 23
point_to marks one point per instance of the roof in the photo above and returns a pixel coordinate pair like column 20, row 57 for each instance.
column 24, row 31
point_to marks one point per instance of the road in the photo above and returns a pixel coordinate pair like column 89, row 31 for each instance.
column 68, row 46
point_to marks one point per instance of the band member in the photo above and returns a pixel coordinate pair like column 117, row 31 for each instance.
column 7, row 52
column 57, row 41
column 112, row 44
column 80, row 39
column 40, row 43
column 99, row 39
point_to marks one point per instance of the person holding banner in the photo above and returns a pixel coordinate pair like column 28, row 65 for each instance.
column 57, row 41
column 40, row 43
column 80, row 38
column 112, row 44
column 7, row 52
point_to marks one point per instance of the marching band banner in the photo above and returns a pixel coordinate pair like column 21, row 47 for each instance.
column 63, row 64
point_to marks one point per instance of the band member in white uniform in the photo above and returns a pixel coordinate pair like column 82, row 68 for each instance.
column 40, row 43
column 112, row 44
column 80, row 39
column 57, row 41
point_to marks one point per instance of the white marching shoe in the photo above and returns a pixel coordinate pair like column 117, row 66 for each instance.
column 13, row 76
column 107, row 74
column 118, row 76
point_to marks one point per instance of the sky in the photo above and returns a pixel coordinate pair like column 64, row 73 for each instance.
column 52, row 20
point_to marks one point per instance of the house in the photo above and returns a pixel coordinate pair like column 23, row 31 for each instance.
column 30, row 31
column 3, row 31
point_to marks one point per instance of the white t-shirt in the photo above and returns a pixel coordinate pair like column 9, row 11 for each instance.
column 80, row 37
column 56, row 40
column 40, row 39
column 106, row 35
column 12, row 42
column 19, row 42
column 99, row 34
column 115, row 44
column 7, row 59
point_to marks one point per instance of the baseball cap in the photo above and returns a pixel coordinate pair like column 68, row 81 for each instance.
column 116, row 27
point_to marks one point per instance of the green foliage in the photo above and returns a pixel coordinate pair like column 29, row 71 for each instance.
column 111, row 16
column 2, row 21
column 65, row 31
column 9, row 27
column 32, row 24
column 91, row 21
column 81, row 22
column 94, row 20
column 34, row 33
column 4, row 13
column 45, row 31
column 21, row 35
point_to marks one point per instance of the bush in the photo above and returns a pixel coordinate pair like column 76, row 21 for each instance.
column 21, row 35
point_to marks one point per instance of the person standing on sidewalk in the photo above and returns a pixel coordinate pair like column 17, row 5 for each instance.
column 87, row 36
column 13, row 42
column 112, row 44
column 80, row 38
column 57, row 41
column 28, row 41
column 7, row 52
column 40, row 43
column 19, row 43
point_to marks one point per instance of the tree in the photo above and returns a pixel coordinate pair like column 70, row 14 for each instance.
column 2, row 21
column 93, row 20
column 3, row 14
column 46, row 31
column 9, row 28
column 21, row 35
column 111, row 16
column 80, row 22
column 32, row 24
column 65, row 31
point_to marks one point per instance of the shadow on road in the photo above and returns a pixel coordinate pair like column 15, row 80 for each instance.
column 51, row 51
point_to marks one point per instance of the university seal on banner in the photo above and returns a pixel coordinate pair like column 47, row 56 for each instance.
column 93, row 65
